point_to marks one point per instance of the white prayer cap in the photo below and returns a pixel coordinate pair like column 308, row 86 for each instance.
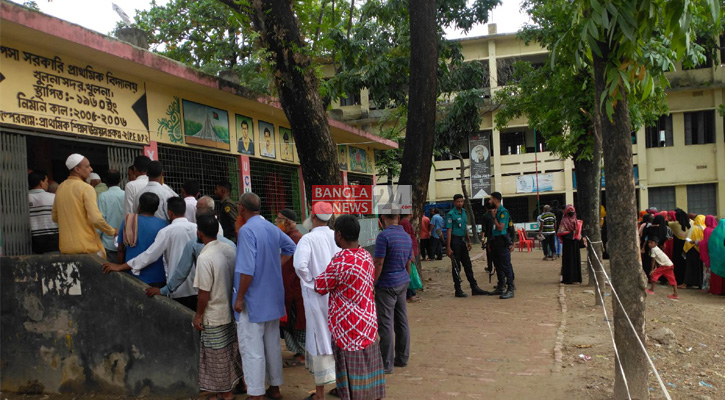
column 322, row 210
column 73, row 160
column 95, row 176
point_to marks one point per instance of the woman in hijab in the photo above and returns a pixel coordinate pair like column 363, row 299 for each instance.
column 680, row 229
column 693, row 269
column 710, row 224
column 570, row 235
column 644, row 229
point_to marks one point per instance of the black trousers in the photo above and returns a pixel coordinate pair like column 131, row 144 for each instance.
column 460, row 254
column 436, row 248
column 502, row 260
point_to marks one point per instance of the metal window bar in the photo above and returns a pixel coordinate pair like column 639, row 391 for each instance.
column 15, row 223
column 205, row 167
column 278, row 187
column 359, row 179
column 119, row 158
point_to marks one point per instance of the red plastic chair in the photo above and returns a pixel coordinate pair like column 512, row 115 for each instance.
column 523, row 241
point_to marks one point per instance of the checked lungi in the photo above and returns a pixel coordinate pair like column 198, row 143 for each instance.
column 220, row 365
column 360, row 374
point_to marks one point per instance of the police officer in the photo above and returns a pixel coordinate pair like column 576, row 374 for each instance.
column 228, row 209
column 501, row 246
column 459, row 244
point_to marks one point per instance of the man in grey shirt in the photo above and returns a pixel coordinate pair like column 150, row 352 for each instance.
column 155, row 185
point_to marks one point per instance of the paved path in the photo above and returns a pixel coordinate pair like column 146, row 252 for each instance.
column 478, row 347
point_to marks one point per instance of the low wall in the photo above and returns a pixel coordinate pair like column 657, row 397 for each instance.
column 68, row 328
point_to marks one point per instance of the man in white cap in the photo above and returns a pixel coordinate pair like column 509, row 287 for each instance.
column 76, row 211
column 313, row 254
column 98, row 185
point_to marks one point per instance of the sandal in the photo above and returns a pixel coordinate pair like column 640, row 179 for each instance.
column 291, row 363
column 334, row 392
column 268, row 395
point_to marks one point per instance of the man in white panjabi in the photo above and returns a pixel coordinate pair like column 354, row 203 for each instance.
column 313, row 254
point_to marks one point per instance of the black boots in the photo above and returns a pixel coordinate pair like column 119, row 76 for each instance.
column 477, row 291
column 499, row 291
column 460, row 293
column 509, row 293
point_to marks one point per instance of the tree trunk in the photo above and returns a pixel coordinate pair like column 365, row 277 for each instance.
column 588, row 184
column 297, row 86
column 467, row 203
column 420, row 128
column 627, row 276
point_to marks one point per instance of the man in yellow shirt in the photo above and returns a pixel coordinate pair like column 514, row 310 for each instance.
column 76, row 211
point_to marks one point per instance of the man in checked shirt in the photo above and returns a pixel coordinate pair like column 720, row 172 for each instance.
column 352, row 317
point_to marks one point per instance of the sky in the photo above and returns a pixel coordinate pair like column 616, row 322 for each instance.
column 98, row 15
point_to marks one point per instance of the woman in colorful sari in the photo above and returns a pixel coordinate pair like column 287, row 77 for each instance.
column 570, row 235
column 693, row 269
column 710, row 224
column 680, row 229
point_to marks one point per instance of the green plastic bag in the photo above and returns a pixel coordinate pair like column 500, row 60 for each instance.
column 415, row 282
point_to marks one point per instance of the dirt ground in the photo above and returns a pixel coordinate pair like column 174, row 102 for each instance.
column 486, row 348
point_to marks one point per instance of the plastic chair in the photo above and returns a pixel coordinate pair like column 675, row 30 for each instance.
column 523, row 241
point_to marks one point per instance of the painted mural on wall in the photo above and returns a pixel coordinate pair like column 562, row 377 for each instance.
column 358, row 160
column 205, row 126
column 66, row 95
column 287, row 148
column 245, row 134
column 171, row 124
column 266, row 140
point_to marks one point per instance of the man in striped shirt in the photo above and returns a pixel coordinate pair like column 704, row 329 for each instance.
column 547, row 228
column 43, row 231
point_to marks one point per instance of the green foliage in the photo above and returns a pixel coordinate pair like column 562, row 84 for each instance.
column 643, row 37
column 206, row 35
column 33, row 5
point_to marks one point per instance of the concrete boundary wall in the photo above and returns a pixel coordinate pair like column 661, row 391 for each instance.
column 68, row 328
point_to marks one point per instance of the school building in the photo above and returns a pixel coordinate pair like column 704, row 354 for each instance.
column 680, row 162
column 65, row 89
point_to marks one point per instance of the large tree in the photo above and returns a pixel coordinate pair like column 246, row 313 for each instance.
column 628, row 43
column 297, row 87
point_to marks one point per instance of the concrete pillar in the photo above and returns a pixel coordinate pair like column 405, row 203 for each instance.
column 568, row 181
column 681, row 196
column 720, row 155
column 642, row 167
column 496, row 157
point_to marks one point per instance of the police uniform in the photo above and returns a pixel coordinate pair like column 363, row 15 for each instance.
column 500, row 249
column 456, row 222
column 227, row 217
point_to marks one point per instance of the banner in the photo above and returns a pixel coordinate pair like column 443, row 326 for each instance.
column 527, row 183
column 479, row 146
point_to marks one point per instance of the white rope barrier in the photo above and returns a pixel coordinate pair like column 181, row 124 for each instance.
column 634, row 330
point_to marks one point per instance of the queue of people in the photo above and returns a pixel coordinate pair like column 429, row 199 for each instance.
column 694, row 244
column 343, row 312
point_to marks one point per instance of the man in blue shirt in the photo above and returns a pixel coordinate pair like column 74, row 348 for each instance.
column 393, row 255
column 262, row 248
column 501, row 246
column 459, row 244
column 436, row 232
column 110, row 203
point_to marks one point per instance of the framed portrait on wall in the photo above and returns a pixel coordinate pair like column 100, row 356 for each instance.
column 266, row 140
column 245, row 134
column 287, row 148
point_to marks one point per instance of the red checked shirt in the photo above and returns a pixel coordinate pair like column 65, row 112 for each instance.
column 349, row 281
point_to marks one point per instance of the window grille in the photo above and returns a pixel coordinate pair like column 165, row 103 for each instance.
column 359, row 179
column 205, row 167
column 702, row 199
column 662, row 198
column 120, row 158
column 278, row 187
column 15, row 223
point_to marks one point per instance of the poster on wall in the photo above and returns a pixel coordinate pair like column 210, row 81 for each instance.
column 527, row 183
column 205, row 126
column 245, row 134
column 287, row 149
column 479, row 145
column 342, row 157
column 358, row 160
column 266, row 137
